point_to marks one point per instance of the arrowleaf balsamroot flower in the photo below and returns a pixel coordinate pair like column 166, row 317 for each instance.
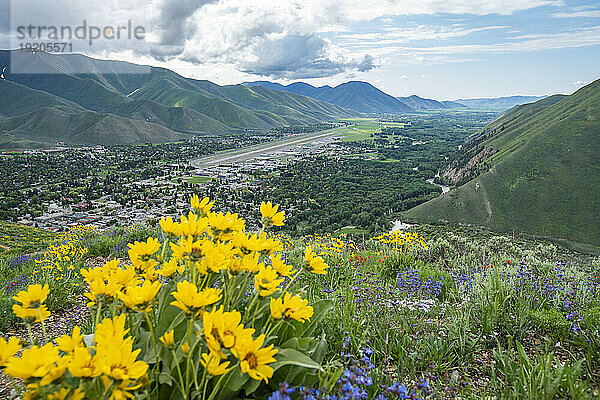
column 8, row 349
column 291, row 307
column 168, row 339
column 81, row 364
column 223, row 329
column 281, row 267
column 213, row 365
column 35, row 362
column 266, row 280
column 33, row 297
column 170, row 227
column 140, row 253
column 192, row 225
column 316, row 264
column 120, row 362
column 254, row 358
column 31, row 315
column 68, row 344
column 191, row 301
column 270, row 214
column 201, row 207
column 139, row 298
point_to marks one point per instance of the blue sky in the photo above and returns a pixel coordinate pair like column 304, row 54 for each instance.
column 443, row 49
column 538, row 51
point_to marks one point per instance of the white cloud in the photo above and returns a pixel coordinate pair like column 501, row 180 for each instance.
column 578, row 14
column 404, row 77
column 395, row 35
column 580, row 83
column 361, row 10
column 525, row 43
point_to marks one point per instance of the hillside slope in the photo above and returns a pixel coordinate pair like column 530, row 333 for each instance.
column 64, row 124
column 111, row 86
column 536, row 170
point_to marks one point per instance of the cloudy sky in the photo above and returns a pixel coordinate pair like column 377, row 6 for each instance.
column 444, row 49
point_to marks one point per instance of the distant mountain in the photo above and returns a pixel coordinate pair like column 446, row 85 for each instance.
column 497, row 104
column 535, row 169
column 125, row 99
column 421, row 104
column 355, row 95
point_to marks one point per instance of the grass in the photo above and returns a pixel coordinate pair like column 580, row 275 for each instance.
column 472, row 314
column 196, row 180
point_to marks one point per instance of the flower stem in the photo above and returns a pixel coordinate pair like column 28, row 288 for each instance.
column 153, row 337
column 43, row 325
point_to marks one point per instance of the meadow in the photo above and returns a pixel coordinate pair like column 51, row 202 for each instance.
column 429, row 313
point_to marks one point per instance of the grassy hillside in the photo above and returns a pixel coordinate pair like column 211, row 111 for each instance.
column 18, row 99
column 155, row 95
column 538, row 172
column 179, row 119
column 49, row 125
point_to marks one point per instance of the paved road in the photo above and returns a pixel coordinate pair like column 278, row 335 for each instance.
column 246, row 153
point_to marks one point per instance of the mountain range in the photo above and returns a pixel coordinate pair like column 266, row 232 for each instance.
column 355, row 95
column 121, row 103
column 497, row 103
column 366, row 98
column 536, row 169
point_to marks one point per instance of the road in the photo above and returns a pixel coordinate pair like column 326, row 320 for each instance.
column 237, row 155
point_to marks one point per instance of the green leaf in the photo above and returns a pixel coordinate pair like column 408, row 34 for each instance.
column 293, row 357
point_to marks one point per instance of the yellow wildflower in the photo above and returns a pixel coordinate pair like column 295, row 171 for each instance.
column 223, row 329
column 168, row 339
column 266, row 281
column 201, row 207
column 8, row 349
column 192, row 225
column 192, row 302
column 315, row 263
column 31, row 315
column 170, row 227
column 291, row 307
column 254, row 358
column 68, row 344
column 140, row 297
column 213, row 365
column 81, row 364
column 33, row 297
column 35, row 362
column 140, row 253
column 281, row 267
column 270, row 214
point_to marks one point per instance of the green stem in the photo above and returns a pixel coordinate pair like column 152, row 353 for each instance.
column 290, row 283
column 187, row 365
column 97, row 320
column 30, row 335
column 182, row 387
column 250, row 306
column 43, row 326
column 153, row 337
column 216, row 388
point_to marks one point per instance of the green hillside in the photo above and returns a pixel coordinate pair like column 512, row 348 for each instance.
column 536, row 170
column 155, row 95
column 49, row 125
column 179, row 119
column 18, row 99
